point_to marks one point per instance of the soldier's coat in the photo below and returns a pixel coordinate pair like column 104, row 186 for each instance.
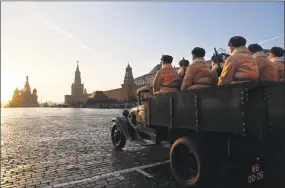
column 266, row 70
column 214, row 72
column 215, row 66
column 278, row 63
column 166, row 80
column 181, row 72
column 240, row 66
column 198, row 75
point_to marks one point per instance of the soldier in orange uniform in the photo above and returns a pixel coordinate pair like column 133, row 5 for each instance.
column 166, row 79
column 276, row 57
column 240, row 66
column 266, row 70
column 198, row 74
column 183, row 65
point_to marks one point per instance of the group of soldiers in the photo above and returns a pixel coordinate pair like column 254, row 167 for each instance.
column 243, row 64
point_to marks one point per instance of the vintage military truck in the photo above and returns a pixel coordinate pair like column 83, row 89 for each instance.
column 227, row 136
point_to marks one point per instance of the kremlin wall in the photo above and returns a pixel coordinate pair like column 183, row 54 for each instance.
column 125, row 94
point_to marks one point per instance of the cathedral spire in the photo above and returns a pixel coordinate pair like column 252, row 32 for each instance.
column 27, row 87
column 77, row 68
column 77, row 78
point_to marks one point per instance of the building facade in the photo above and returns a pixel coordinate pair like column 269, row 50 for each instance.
column 78, row 92
column 147, row 79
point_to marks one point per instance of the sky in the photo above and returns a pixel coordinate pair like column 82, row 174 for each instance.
column 45, row 39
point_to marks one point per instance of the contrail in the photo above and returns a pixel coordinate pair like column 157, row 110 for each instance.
column 265, row 41
column 57, row 28
column 62, row 31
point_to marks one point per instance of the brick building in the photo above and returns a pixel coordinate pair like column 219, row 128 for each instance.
column 127, row 92
column 78, row 92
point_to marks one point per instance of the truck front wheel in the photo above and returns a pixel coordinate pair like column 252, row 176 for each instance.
column 187, row 163
column 117, row 137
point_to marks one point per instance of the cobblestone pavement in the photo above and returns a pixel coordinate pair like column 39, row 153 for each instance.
column 52, row 147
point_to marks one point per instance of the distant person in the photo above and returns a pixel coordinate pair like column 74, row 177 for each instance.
column 216, row 68
column 276, row 56
column 266, row 70
column 183, row 65
column 239, row 66
column 215, row 65
column 166, row 79
column 198, row 74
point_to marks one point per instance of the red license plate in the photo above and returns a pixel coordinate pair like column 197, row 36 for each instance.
column 256, row 174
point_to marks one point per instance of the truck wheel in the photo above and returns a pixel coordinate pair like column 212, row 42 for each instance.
column 187, row 163
column 118, row 138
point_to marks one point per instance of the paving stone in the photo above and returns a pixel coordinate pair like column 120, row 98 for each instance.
column 66, row 146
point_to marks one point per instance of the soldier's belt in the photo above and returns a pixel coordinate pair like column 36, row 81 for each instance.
column 243, row 79
column 207, row 84
column 170, row 86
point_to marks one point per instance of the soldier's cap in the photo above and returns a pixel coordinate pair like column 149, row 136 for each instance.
column 217, row 58
column 183, row 62
column 254, row 48
column 198, row 52
column 277, row 51
column 167, row 59
column 186, row 63
column 237, row 41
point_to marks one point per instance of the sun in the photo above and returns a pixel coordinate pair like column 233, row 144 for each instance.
column 9, row 82
column 6, row 92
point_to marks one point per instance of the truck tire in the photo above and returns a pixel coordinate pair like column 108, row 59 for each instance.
column 188, row 164
column 117, row 137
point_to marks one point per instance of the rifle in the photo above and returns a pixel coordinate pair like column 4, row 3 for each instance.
column 219, row 59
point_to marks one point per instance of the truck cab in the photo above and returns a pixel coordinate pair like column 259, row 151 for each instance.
column 138, row 116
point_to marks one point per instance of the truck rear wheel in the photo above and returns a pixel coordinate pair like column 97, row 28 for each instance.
column 117, row 137
column 187, row 163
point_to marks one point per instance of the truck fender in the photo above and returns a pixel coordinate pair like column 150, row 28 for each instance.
column 125, row 127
